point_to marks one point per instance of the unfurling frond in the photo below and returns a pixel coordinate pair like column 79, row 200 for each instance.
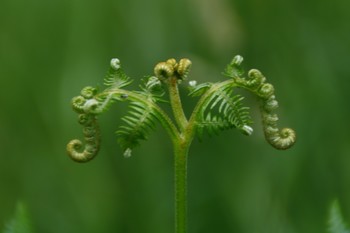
column 256, row 83
column 164, row 70
column 224, row 110
column 86, row 105
column 141, row 118
column 169, row 68
column 139, row 121
column 116, row 77
column 183, row 68
column 92, row 140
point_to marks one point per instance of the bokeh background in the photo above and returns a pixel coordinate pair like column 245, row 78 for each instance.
column 49, row 50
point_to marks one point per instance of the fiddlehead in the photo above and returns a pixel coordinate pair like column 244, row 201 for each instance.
column 165, row 70
column 91, row 130
column 88, row 104
column 256, row 83
column 183, row 68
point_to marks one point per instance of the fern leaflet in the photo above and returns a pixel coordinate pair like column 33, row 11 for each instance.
column 141, row 117
column 222, row 111
column 139, row 121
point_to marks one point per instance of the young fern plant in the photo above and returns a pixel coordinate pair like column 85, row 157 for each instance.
column 218, row 108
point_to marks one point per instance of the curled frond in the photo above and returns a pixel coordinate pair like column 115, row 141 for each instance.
column 256, row 83
column 88, row 92
column 255, row 79
column 171, row 67
column 183, row 68
column 172, row 62
column 281, row 139
column 266, row 90
column 78, row 103
column 89, row 103
column 86, row 105
column 164, row 70
column 270, row 104
column 92, row 140
column 115, row 63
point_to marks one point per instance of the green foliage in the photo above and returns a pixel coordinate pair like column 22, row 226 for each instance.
column 217, row 109
column 265, row 92
column 336, row 222
column 20, row 223
column 223, row 110
column 142, row 116
column 140, row 121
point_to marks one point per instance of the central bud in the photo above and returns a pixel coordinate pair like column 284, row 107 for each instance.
column 171, row 67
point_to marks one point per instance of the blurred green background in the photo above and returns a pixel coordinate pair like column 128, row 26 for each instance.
column 49, row 50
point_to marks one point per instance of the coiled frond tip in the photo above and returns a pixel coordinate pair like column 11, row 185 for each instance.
column 282, row 140
column 88, row 154
column 163, row 70
column 115, row 63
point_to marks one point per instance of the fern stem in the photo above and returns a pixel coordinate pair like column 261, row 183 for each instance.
column 175, row 101
column 180, row 157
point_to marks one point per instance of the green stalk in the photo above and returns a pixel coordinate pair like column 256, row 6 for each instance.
column 181, row 147
column 180, row 156
column 175, row 101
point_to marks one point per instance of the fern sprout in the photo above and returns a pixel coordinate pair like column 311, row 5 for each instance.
column 256, row 83
column 218, row 108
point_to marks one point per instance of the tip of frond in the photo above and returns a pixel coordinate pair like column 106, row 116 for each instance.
column 116, row 77
column 115, row 63
column 234, row 69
